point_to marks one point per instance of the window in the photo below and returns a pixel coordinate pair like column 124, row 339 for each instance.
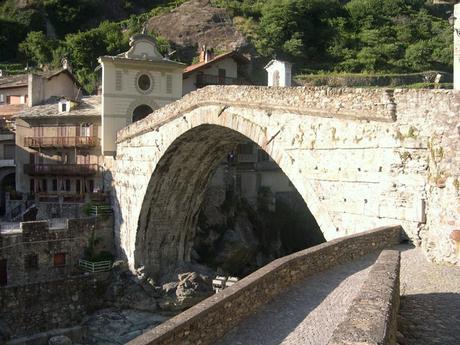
column 67, row 185
column 31, row 262
column 245, row 149
column 32, row 185
column 78, row 186
column 169, row 84
column 141, row 111
column 64, row 107
column 85, row 129
column 9, row 151
column 276, row 78
column 55, row 185
column 62, row 131
column 144, row 82
column 118, row 80
column 222, row 74
column 44, row 185
column 3, row 272
column 2, row 98
column 59, row 260
column 90, row 186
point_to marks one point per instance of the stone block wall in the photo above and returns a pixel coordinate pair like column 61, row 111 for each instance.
column 41, row 306
column 207, row 321
column 372, row 318
column 31, row 252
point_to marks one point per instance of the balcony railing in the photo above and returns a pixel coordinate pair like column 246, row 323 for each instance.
column 57, row 142
column 61, row 169
column 207, row 79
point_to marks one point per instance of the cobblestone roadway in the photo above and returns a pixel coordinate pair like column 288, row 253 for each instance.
column 307, row 313
column 430, row 301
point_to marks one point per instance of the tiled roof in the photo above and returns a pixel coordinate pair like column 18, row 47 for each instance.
column 19, row 80
column 87, row 106
column 9, row 110
column 200, row 65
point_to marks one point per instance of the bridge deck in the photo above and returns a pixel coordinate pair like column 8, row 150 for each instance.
column 307, row 313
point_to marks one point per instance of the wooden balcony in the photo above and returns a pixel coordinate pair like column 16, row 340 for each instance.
column 61, row 169
column 207, row 79
column 60, row 142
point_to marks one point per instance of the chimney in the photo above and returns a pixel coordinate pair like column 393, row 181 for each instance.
column 203, row 54
column 206, row 54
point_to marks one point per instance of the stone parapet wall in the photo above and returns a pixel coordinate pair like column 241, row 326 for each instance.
column 372, row 318
column 365, row 104
column 39, row 307
column 44, row 239
column 207, row 321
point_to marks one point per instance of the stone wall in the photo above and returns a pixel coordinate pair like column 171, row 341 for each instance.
column 43, row 240
column 372, row 318
column 360, row 158
column 207, row 321
column 38, row 307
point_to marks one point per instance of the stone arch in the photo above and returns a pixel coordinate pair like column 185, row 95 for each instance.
column 141, row 101
column 176, row 188
column 141, row 112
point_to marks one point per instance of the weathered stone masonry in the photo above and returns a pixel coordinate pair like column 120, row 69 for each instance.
column 43, row 241
column 41, row 295
column 360, row 158
column 207, row 321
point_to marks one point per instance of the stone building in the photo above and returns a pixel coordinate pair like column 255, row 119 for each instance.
column 224, row 69
column 41, row 251
column 7, row 163
column 58, row 148
column 134, row 84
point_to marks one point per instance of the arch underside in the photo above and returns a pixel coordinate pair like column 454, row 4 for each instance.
column 174, row 196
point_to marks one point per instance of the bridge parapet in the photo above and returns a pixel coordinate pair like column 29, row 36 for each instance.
column 358, row 104
column 209, row 320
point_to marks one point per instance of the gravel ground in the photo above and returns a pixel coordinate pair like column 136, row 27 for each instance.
column 307, row 313
column 430, row 301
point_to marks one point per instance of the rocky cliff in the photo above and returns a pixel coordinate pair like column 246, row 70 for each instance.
column 197, row 23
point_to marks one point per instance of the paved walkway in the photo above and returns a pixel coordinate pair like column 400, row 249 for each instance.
column 430, row 301
column 307, row 313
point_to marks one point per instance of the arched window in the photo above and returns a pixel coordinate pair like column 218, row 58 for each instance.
column 276, row 78
column 141, row 111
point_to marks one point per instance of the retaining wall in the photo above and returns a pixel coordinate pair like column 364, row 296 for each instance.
column 209, row 320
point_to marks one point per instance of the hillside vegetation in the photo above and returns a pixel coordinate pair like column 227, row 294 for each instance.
column 375, row 36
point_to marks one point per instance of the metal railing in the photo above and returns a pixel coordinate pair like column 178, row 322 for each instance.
column 94, row 267
column 61, row 141
column 99, row 210
column 61, row 169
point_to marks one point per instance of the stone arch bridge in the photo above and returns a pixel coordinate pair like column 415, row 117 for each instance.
column 360, row 158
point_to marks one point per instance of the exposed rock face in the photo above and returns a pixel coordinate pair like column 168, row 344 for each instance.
column 236, row 238
column 195, row 24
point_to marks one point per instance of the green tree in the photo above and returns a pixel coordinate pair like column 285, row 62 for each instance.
column 297, row 28
column 37, row 48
